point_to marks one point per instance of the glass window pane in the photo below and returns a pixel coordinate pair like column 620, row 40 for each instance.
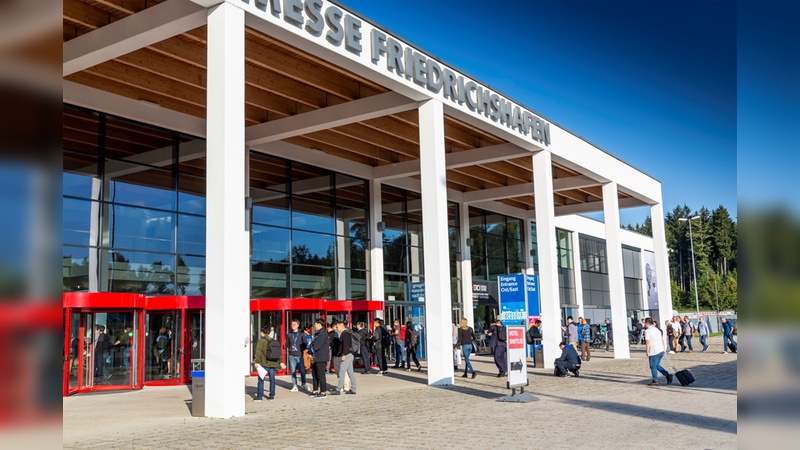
column 192, row 156
column 417, row 260
column 139, row 185
column 395, row 258
column 141, row 229
column 394, row 287
column 81, row 129
column 350, row 191
column 514, row 229
column 353, row 253
column 140, row 272
column 80, row 177
column 495, row 246
column 495, row 224
column 415, row 230
column 191, row 194
column 75, row 268
column 514, row 249
column 313, row 248
column 191, row 275
column 268, row 280
column 351, row 222
column 268, row 172
column 310, row 214
column 191, row 234
column 270, row 207
column 453, row 241
column 125, row 138
column 356, row 285
column 395, row 229
column 496, row 267
column 270, row 244
column 479, row 268
column 310, row 281
column 76, row 221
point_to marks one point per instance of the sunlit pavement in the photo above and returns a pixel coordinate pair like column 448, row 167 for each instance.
column 608, row 406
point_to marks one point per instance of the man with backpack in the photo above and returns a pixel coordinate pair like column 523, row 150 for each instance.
column 378, row 349
column 348, row 347
column 412, row 340
column 500, row 349
column 268, row 356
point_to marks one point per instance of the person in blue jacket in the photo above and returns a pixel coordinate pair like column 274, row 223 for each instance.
column 727, row 336
column 569, row 361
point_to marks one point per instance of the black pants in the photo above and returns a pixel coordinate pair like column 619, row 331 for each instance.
column 380, row 358
column 365, row 358
column 411, row 353
column 500, row 357
column 563, row 366
column 318, row 372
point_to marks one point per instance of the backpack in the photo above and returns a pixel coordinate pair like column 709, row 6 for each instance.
column 355, row 342
column 161, row 342
column 273, row 350
column 414, row 338
column 501, row 334
column 386, row 338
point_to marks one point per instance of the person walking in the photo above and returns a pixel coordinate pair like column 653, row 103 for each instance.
column 688, row 331
column 270, row 364
column 456, row 353
column 609, row 334
column 321, row 349
column 364, row 334
column 296, row 341
column 500, row 349
column 345, row 359
column 586, row 340
column 412, row 341
column 727, row 337
column 702, row 330
column 466, row 341
column 654, row 349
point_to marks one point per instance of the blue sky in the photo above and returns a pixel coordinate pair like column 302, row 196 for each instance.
column 653, row 83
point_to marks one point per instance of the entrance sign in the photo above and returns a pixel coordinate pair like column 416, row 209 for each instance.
column 512, row 298
column 515, row 357
column 532, row 291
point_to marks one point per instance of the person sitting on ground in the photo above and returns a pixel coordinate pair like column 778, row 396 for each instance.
column 569, row 361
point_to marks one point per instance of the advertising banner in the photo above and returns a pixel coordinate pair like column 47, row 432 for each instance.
column 512, row 298
column 651, row 296
column 532, row 289
column 515, row 357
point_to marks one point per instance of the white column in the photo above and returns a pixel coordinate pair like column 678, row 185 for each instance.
column 577, row 281
column 376, row 246
column 227, row 243
column 662, row 262
column 436, row 253
column 616, row 280
column 466, row 265
column 548, row 261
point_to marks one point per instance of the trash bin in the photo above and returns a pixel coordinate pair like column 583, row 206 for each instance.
column 198, row 393
column 538, row 356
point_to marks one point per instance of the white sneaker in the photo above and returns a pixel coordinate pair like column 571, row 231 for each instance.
column 724, row 353
column 293, row 389
column 671, row 352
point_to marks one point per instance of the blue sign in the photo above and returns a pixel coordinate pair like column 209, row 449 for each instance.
column 416, row 291
column 512, row 297
column 532, row 287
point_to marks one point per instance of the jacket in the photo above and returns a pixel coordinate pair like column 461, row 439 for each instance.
column 534, row 333
column 727, row 329
column 365, row 334
column 376, row 337
column 345, row 340
column 687, row 329
column 321, row 346
column 466, row 337
column 568, row 354
column 261, row 354
column 702, row 328
column 572, row 332
column 296, row 346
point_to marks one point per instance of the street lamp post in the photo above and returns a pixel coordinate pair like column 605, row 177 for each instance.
column 694, row 271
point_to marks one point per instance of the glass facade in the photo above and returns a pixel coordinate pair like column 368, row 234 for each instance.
column 566, row 280
column 403, row 263
column 594, row 272
column 632, row 269
column 309, row 231
column 133, row 216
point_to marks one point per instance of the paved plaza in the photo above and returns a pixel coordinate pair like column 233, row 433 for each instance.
column 608, row 406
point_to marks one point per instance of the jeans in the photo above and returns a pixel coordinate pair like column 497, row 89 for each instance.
column 703, row 338
column 467, row 350
column 126, row 358
column 683, row 343
column 271, row 375
column 655, row 366
column 563, row 366
column 725, row 339
column 294, row 363
column 346, row 368
column 688, row 339
column 400, row 353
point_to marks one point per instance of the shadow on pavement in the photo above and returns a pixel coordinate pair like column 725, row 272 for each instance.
column 687, row 419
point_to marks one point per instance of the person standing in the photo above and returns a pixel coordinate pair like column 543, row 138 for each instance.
column 296, row 341
column 609, row 334
column 333, row 340
column 500, row 349
column 364, row 334
column 412, row 341
column 688, row 331
column 727, row 336
column 321, row 349
column 456, row 353
column 466, row 340
column 269, row 364
column 124, row 341
column 572, row 332
column 377, row 347
column 399, row 336
column 586, row 340
column 345, row 359
column 670, row 334
column 702, row 330
column 654, row 349
column 677, row 332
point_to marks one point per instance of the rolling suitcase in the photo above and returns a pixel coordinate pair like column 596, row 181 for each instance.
column 684, row 377
column 731, row 347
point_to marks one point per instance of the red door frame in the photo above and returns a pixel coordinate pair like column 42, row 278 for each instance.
column 182, row 304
